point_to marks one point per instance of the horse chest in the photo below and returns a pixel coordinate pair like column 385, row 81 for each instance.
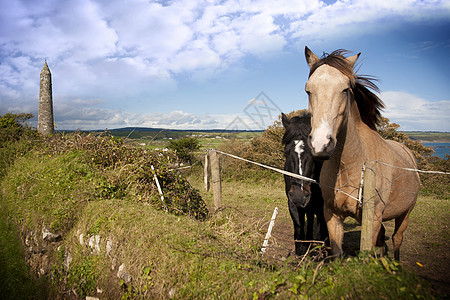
column 340, row 189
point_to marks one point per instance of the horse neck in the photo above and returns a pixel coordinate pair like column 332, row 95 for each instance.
column 349, row 148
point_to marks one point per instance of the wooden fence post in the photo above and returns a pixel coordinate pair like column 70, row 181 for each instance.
column 368, row 209
column 206, row 172
column 215, row 178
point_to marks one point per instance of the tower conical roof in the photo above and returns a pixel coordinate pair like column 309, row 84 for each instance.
column 45, row 68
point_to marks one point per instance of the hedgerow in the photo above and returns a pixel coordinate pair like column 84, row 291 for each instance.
column 124, row 170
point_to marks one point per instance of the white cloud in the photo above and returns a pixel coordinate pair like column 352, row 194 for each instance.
column 86, row 114
column 183, row 35
column 355, row 17
column 116, row 50
column 96, row 118
column 62, row 30
column 415, row 113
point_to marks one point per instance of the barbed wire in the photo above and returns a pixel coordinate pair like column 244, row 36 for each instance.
column 185, row 167
column 284, row 172
column 414, row 170
column 298, row 176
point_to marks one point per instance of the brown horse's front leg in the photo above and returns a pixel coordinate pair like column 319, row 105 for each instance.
column 378, row 239
column 335, row 225
column 401, row 222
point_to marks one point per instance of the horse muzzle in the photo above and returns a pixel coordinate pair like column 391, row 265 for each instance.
column 322, row 147
column 299, row 196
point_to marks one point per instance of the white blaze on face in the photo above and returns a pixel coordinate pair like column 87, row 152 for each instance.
column 299, row 149
column 321, row 137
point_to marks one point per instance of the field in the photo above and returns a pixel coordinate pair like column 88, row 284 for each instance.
column 425, row 241
column 429, row 136
column 174, row 255
column 159, row 137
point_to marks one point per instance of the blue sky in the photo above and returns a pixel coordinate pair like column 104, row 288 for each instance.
column 217, row 64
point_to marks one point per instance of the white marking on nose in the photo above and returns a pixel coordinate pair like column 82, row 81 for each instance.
column 299, row 149
column 321, row 137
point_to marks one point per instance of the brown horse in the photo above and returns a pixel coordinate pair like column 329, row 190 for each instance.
column 344, row 115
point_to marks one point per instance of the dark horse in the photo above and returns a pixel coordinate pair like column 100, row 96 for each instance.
column 303, row 197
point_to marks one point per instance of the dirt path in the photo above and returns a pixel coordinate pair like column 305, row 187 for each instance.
column 422, row 251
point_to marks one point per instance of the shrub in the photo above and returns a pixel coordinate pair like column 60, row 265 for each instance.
column 184, row 147
column 16, row 138
column 389, row 131
column 266, row 149
column 13, row 127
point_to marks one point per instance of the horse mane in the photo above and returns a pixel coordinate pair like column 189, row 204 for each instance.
column 298, row 126
column 369, row 104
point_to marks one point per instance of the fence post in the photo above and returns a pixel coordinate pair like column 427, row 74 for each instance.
column 159, row 188
column 368, row 209
column 215, row 178
column 269, row 230
column 206, row 172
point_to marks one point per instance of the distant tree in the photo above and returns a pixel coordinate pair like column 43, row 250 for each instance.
column 184, row 147
column 389, row 131
column 267, row 148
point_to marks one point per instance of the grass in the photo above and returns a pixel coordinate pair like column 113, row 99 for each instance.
column 16, row 281
column 174, row 254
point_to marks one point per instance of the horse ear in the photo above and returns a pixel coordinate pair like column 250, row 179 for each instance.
column 352, row 59
column 311, row 58
column 285, row 120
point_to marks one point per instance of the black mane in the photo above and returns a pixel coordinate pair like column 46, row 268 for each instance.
column 299, row 128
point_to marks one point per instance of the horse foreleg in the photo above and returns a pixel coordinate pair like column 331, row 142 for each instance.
column 401, row 223
column 323, row 226
column 335, row 225
column 378, row 236
column 309, row 224
column 298, row 219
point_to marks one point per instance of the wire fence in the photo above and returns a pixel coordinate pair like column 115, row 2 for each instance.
column 359, row 189
column 356, row 189
column 314, row 181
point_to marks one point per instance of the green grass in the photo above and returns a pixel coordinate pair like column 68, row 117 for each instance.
column 16, row 281
column 173, row 254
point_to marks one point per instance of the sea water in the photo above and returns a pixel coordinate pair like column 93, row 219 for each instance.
column 441, row 149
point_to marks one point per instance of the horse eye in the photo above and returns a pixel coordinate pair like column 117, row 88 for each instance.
column 345, row 91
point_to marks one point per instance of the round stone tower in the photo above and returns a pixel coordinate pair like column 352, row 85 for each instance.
column 45, row 115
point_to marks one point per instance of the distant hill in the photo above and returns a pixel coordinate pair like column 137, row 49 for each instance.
column 429, row 136
column 149, row 129
column 148, row 133
column 160, row 133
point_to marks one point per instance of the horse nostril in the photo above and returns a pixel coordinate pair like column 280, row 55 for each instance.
column 332, row 140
